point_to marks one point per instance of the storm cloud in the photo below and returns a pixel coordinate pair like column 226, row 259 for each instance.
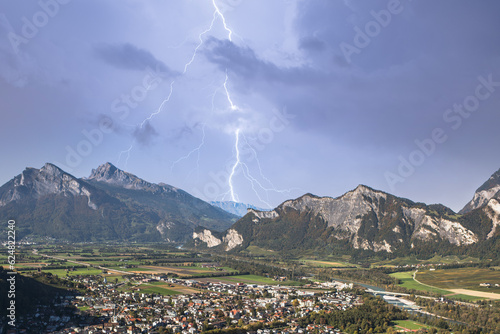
column 307, row 116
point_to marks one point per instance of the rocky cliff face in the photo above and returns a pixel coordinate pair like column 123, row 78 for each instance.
column 229, row 240
column 483, row 194
column 363, row 218
column 108, row 173
column 50, row 179
column 492, row 210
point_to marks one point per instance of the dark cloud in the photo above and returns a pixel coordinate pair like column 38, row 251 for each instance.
column 312, row 43
column 145, row 134
column 360, row 115
column 175, row 135
column 129, row 57
column 245, row 62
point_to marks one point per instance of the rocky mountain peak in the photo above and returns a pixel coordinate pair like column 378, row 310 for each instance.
column 363, row 218
column 35, row 183
column 108, row 173
column 483, row 194
column 103, row 172
column 47, row 176
column 366, row 191
column 111, row 174
column 51, row 169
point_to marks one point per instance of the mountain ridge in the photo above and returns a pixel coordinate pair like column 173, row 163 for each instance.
column 112, row 204
column 487, row 191
column 108, row 205
column 363, row 219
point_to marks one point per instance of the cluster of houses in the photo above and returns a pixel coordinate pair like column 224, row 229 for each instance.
column 420, row 265
column 116, row 308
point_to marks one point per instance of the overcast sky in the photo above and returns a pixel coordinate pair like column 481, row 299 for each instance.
column 318, row 96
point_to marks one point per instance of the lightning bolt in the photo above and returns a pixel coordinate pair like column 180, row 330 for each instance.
column 257, row 186
column 141, row 125
column 233, row 106
column 193, row 151
column 236, row 164
column 165, row 101
column 127, row 152
column 253, row 180
column 217, row 13
column 202, row 142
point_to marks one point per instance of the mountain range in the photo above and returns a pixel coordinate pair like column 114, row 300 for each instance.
column 108, row 205
column 114, row 205
column 367, row 220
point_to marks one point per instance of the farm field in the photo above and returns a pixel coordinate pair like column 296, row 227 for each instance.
column 326, row 264
column 406, row 277
column 461, row 278
column 161, row 288
column 467, row 298
column 409, row 260
column 408, row 325
column 474, row 293
column 179, row 270
column 78, row 271
column 247, row 279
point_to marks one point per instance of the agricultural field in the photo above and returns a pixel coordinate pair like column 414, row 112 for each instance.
column 257, row 251
column 462, row 278
column 248, row 279
column 413, row 260
column 449, row 259
column 161, row 288
column 407, row 281
column 64, row 272
column 71, row 260
column 409, row 326
column 325, row 264
column 467, row 298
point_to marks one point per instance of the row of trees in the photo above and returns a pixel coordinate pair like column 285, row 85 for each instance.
column 482, row 319
column 374, row 316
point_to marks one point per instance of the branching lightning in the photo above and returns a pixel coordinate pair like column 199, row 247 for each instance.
column 160, row 107
column 202, row 142
column 236, row 164
column 218, row 12
column 233, row 106
column 127, row 152
column 195, row 150
column 257, row 186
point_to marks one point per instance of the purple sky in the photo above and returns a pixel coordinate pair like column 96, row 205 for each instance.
column 320, row 96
